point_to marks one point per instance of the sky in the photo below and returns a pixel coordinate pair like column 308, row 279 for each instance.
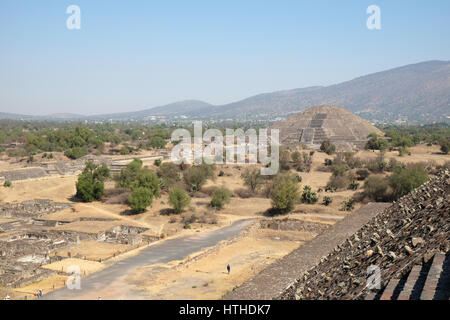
column 132, row 55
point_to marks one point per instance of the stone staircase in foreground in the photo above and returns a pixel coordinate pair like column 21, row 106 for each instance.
column 427, row 281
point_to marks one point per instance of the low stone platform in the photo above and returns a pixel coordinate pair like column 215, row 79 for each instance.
column 272, row 281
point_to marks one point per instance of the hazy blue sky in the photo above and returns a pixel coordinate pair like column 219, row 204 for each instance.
column 131, row 55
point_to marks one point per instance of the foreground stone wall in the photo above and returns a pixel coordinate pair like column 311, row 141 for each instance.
column 407, row 233
column 274, row 280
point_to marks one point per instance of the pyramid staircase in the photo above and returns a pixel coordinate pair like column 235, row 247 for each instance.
column 428, row 281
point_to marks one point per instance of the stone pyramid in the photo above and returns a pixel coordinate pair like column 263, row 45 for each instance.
column 316, row 124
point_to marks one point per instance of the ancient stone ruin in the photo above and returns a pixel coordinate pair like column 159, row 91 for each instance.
column 28, row 240
column 408, row 243
column 338, row 125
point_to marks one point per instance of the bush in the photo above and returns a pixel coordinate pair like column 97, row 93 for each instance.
column 188, row 218
column 375, row 143
column 327, row 201
column 76, row 152
column 196, row 176
column 445, row 146
column 125, row 150
column 328, row 147
column 7, row 184
column 339, row 170
column 296, row 156
column 157, row 162
column 147, row 179
column 348, row 205
column 308, row 196
column 220, row 197
column 362, row 174
column 403, row 151
column 403, row 181
column 140, row 199
column 221, row 173
column 304, row 162
column 353, row 185
column 337, row 183
column 179, row 200
column 156, row 142
column 285, row 159
column 284, row 193
column 169, row 174
column 377, row 165
column 244, row 193
column 394, row 164
column 90, row 184
column 376, row 188
column 252, row 179
column 128, row 175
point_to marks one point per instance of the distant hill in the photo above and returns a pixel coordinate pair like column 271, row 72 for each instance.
column 180, row 108
column 418, row 92
column 413, row 93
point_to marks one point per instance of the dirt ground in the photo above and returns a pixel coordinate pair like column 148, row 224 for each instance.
column 205, row 278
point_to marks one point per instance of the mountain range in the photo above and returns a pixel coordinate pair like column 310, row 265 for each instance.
column 413, row 93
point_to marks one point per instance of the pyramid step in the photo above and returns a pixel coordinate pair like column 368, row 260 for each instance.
column 389, row 290
column 371, row 296
column 431, row 284
column 413, row 276
column 443, row 287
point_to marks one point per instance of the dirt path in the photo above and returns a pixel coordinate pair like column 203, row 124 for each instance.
column 109, row 283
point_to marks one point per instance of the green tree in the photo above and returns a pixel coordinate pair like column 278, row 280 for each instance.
column 128, row 175
column 169, row 174
column 284, row 193
column 147, row 179
column 88, row 189
column 220, row 197
column 375, row 143
column 156, row 142
column 90, row 184
column 403, row 181
column 140, row 199
column 179, row 200
column 76, row 152
column 196, row 176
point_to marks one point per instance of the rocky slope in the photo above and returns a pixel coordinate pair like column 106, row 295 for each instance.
column 408, row 233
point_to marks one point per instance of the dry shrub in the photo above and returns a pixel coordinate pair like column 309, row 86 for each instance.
column 200, row 195
column 188, row 218
column 116, row 196
column 338, row 183
column 244, row 193
column 208, row 190
column 207, row 218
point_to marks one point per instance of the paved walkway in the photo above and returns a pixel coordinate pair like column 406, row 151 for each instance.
column 110, row 280
column 273, row 280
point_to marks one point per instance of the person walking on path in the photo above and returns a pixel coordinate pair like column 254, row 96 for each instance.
column 228, row 268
